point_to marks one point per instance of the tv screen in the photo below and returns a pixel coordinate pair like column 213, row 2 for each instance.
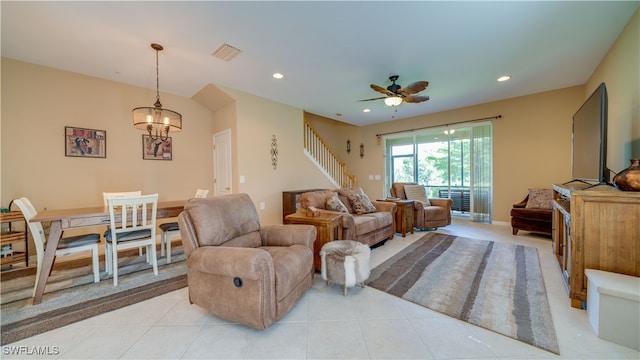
column 589, row 149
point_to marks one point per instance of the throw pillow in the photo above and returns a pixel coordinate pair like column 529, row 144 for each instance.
column 417, row 193
column 361, row 204
column 334, row 204
column 540, row 199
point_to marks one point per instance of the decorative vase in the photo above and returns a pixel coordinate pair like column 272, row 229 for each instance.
column 629, row 178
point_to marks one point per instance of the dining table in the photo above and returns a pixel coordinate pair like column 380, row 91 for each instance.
column 65, row 219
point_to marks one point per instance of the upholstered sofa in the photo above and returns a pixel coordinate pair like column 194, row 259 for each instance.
column 534, row 213
column 239, row 270
column 428, row 213
column 368, row 226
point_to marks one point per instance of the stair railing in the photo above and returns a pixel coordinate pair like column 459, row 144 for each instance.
column 325, row 159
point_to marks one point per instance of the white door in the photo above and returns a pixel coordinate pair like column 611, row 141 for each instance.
column 222, row 163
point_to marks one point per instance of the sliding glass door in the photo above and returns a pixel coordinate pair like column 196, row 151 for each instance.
column 450, row 162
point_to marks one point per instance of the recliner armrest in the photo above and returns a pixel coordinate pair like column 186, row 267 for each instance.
column 287, row 235
column 445, row 203
column 246, row 263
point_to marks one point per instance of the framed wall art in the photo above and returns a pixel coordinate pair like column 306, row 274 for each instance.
column 81, row 142
column 156, row 149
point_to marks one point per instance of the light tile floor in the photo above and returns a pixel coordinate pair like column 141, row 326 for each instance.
column 367, row 324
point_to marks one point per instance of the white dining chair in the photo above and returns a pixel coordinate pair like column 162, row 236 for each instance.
column 171, row 228
column 67, row 246
column 132, row 224
column 107, row 195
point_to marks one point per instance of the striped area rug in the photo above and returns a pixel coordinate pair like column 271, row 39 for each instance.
column 497, row 286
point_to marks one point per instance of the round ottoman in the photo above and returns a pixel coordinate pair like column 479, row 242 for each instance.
column 345, row 262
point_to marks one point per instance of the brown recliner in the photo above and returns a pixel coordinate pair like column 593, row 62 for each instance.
column 426, row 216
column 536, row 220
column 239, row 270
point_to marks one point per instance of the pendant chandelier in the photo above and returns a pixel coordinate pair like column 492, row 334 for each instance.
column 156, row 121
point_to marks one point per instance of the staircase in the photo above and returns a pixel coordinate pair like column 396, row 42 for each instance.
column 319, row 153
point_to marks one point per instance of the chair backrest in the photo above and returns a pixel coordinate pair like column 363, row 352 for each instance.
column 228, row 220
column 106, row 195
column 37, row 232
column 397, row 189
column 132, row 213
column 202, row 193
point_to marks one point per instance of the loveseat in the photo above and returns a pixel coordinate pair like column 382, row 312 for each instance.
column 369, row 226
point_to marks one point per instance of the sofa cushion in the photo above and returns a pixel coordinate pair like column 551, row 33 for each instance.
column 334, row 204
column 540, row 199
column 416, row 192
column 367, row 223
column 361, row 204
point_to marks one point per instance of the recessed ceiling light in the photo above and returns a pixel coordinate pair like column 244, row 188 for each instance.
column 504, row 78
column 277, row 75
column 366, row 110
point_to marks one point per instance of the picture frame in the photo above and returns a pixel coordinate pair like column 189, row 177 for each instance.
column 156, row 149
column 83, row 142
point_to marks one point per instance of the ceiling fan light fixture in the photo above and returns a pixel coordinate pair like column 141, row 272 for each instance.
column 393, row 101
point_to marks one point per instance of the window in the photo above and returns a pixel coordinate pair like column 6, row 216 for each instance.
column 453, row 163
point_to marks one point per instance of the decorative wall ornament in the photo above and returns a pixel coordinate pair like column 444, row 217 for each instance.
column 156, row 149
column 348, row 146
column 274, row 152
column 83, row 142
column 361, row 150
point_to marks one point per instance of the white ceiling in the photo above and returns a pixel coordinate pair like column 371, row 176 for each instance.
column 329, row 52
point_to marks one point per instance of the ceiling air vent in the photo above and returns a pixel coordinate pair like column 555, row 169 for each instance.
column 226, row 52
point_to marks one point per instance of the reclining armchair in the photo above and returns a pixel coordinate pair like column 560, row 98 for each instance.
column 239, row 270
column 432, row 213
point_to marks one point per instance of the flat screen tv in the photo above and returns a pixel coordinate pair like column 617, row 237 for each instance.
column 589, row 139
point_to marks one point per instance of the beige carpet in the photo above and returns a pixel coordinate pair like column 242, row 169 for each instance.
column 497, row 286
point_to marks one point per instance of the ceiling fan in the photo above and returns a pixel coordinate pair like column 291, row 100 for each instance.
column 397, row 94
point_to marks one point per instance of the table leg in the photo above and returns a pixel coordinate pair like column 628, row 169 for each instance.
column 55, row 233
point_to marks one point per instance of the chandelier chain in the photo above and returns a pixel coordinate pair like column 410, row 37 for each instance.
column 157, row 78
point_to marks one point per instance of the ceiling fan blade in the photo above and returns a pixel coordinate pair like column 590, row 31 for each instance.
column 413, row 88
column 415, row 98
column 382, row 90
column 378, row 98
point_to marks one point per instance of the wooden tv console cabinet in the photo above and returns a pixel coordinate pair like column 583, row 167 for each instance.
column 594, row 228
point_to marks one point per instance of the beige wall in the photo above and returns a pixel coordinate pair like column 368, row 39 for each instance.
column 620, row 71
column 38, row 102
column 258, row 119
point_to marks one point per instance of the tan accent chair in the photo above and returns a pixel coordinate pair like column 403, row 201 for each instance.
column 369, row 229
column 437, row 214
column 239, row 270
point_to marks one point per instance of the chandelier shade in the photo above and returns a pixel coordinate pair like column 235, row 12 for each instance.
column 156, row 121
